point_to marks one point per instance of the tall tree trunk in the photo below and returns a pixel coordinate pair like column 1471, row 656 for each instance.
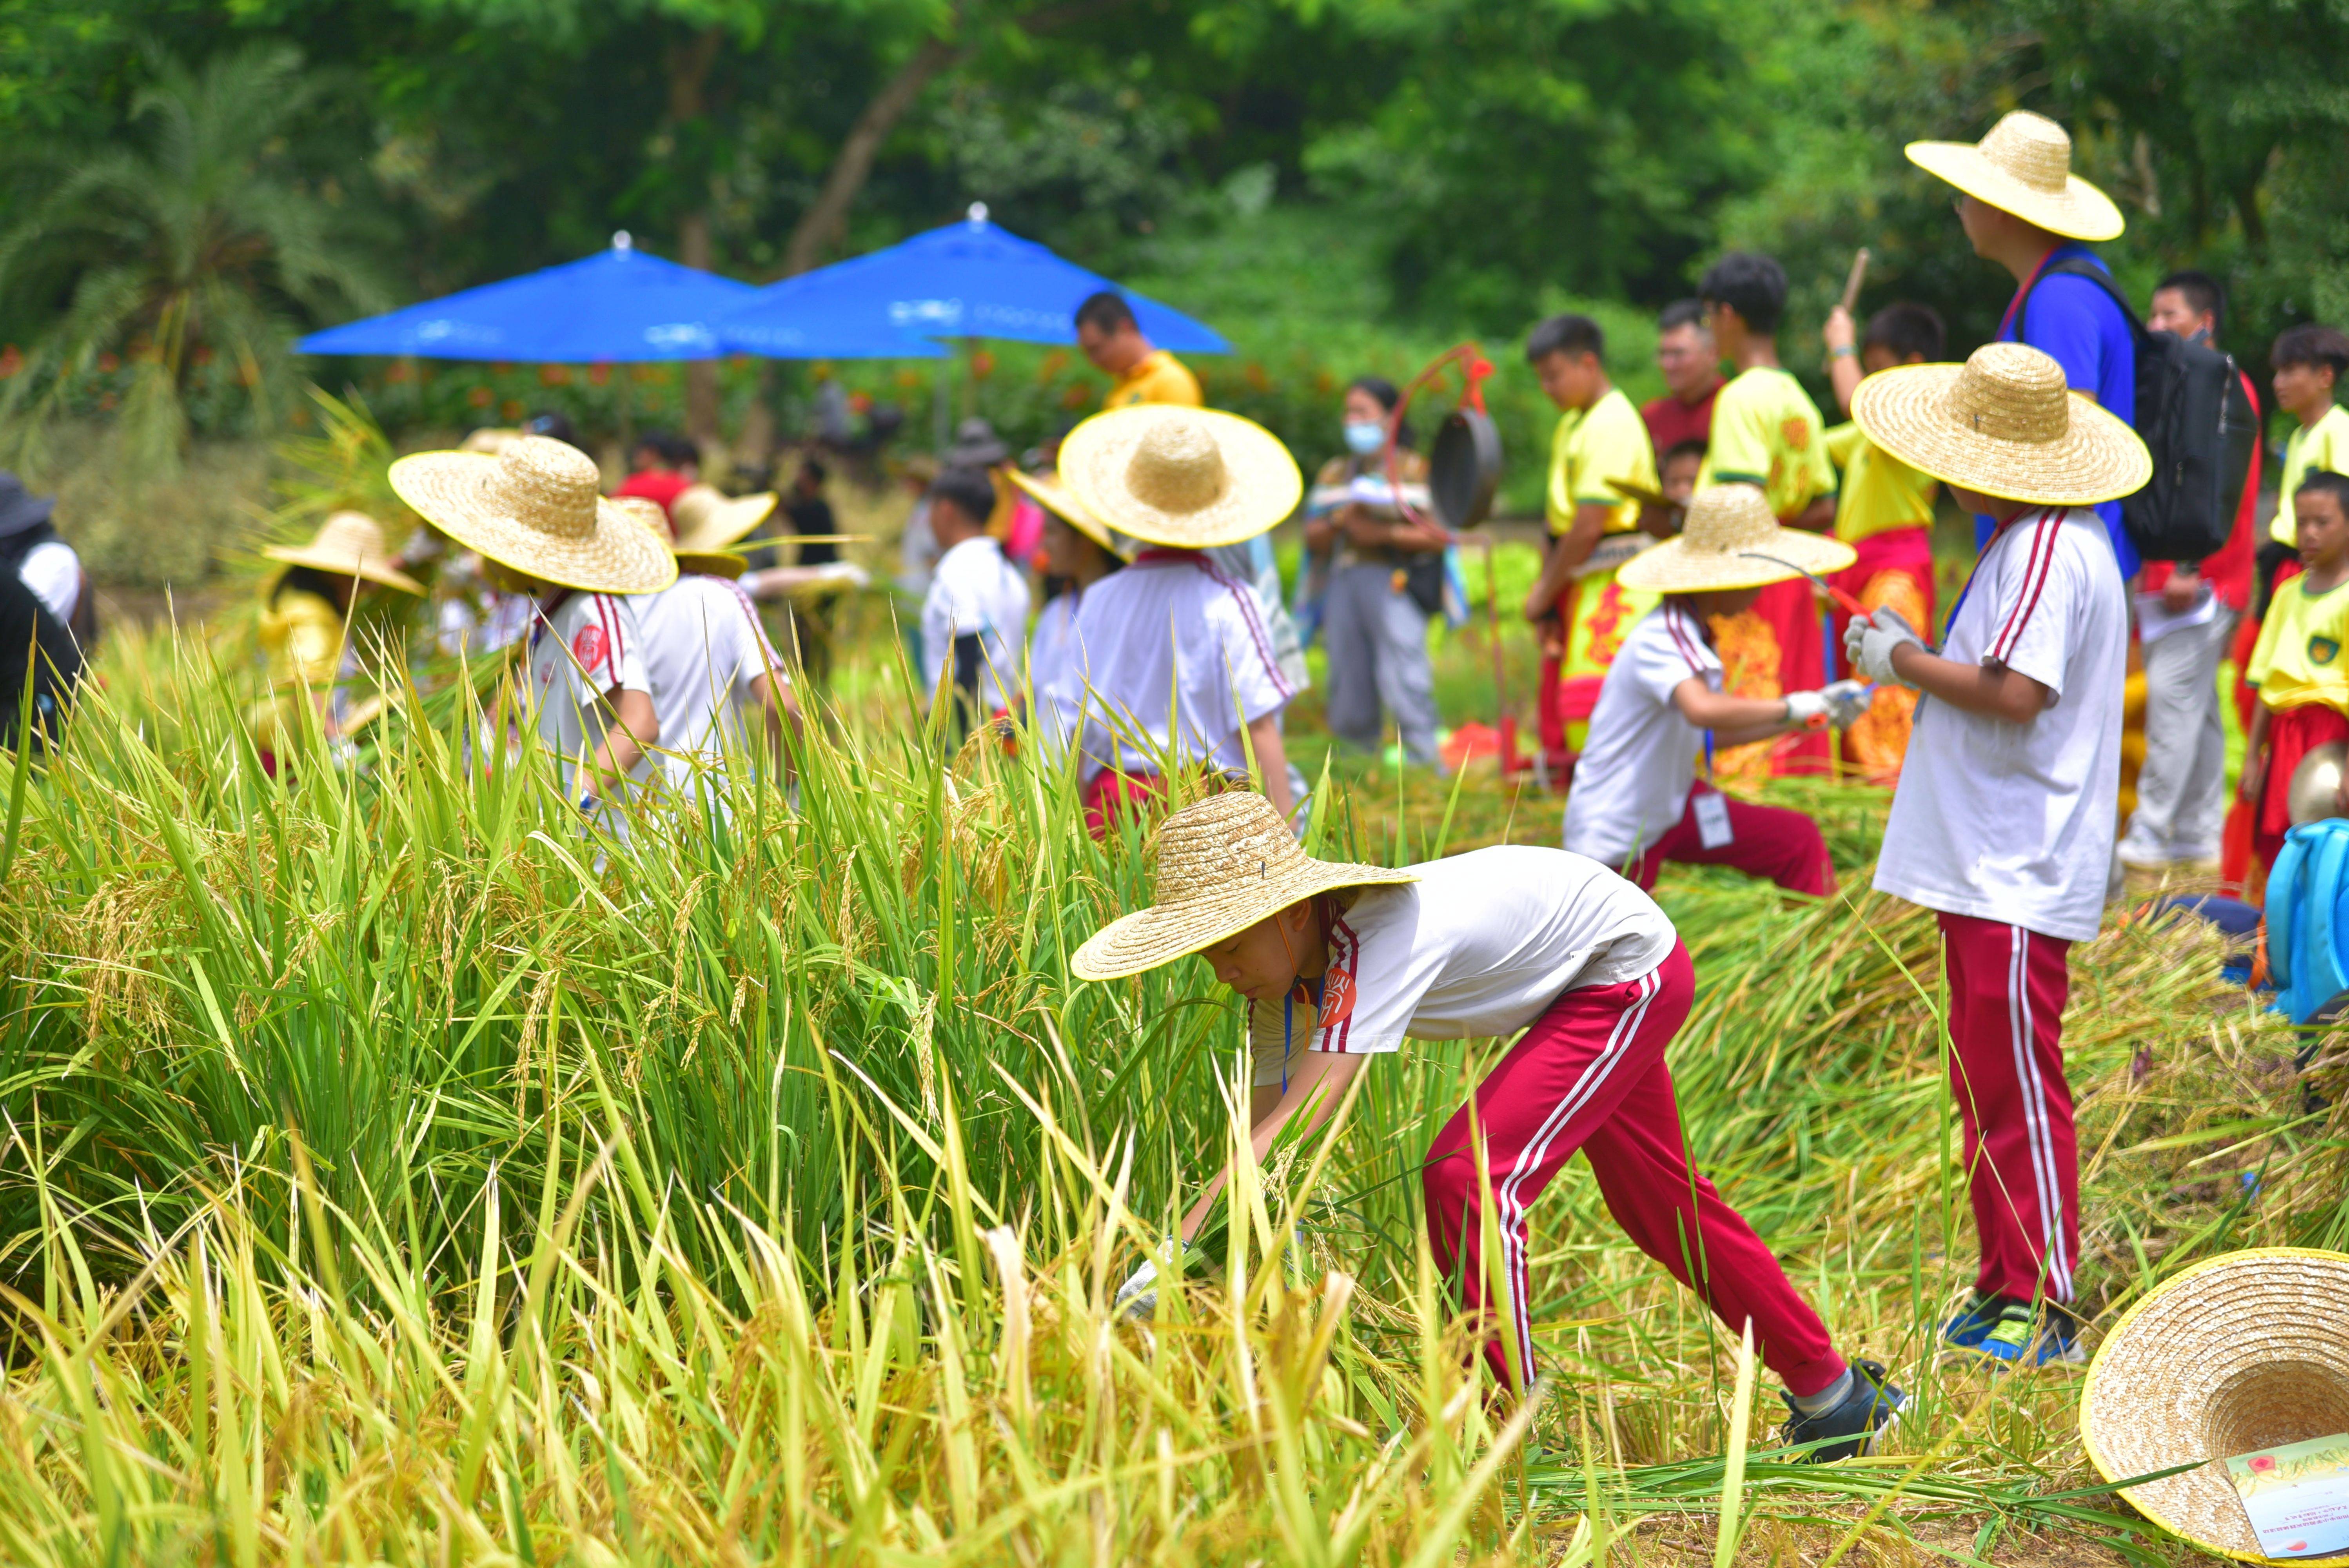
column 820, row 225
column 688, row 76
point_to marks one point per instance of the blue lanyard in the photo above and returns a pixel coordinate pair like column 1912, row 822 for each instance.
column 1996, row 534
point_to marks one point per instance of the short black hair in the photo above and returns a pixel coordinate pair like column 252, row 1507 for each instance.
column 1754, row 286
column 2325, row 481
column 554, row 424
column 2204, row 295
column 1682, row 313
column 1907, row 328
column 679, row 450
column 1568, row 333
column 1692, row 448
column 813, row 468
column 969, row 492
column 2310, row 344
column 1107, row 311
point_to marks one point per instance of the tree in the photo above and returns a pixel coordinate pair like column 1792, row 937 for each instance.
column 192, row 240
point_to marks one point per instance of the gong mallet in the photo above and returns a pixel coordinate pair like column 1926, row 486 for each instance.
column 1853, row 279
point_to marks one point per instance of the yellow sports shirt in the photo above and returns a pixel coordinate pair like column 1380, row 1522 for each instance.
column 1159, row 378
column 1880, row 491
column 2312, row 449
column 2299, row 658
column 1766, row 431
column 1604, row 441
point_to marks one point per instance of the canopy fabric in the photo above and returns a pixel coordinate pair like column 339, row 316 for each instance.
column 970, row 278
column 621, row 306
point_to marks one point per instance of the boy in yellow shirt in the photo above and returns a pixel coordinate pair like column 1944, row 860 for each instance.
column 1885, row 512
column 2298, row 665
column 1766, row 431
column 2309, row 361
column 1593, row 529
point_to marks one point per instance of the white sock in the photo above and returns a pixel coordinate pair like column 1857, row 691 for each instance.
column 1826, row 1399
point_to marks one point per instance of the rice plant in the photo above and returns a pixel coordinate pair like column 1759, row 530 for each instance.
column 395, row 1169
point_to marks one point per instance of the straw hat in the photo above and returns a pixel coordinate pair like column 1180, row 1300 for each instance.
column 1057, row 498
column 2025, row 167
column 2003, row 424
column 708, row 562
column 1724, row 544
column 535, row 508
column 1190, row 477
column 1223, row 864
column 2245, row 1352
column 351, row 544
column 708, row 518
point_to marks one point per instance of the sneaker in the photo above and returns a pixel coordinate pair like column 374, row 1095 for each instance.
column 2022, row 1338
column 2143, row 854
column 1971, row 1323
column 1851, row 1426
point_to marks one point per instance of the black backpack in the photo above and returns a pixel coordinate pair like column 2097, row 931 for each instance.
column 2195, row 418
column 33, row 641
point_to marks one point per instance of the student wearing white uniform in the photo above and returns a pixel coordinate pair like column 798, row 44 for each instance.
column 1635, row 802
column 534, row 514
column 1079, row 552
column 1173, row 623
column 1338, row 963
column 2004, row 816
column 975, row 617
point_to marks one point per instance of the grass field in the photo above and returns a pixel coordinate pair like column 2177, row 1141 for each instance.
column 395, row 1173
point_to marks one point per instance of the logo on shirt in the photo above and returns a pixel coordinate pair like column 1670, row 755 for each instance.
column 2323, row 650
column 1337, row 997
column 1796, row 434
column 589, row 645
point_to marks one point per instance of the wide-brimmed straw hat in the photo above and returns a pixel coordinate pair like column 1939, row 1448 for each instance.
column 351, row 544
column 708, row 518
column 1731, row 540
column 1223, row 864
column 535, row 508
column 1189, row 478
column 1062, row 502
column 2245, row 1352
column 2025, row 167
column 655, row 521
column 2003, row 424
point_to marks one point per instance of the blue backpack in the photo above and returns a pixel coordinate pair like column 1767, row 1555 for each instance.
column 2308, row 922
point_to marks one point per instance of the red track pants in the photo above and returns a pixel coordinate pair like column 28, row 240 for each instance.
column 1768, row 842
column 1590, row 1075
column 2007, row 986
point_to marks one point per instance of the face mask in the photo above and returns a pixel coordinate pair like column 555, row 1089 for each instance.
column 1363, row 439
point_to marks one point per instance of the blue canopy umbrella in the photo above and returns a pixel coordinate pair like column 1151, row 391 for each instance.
column 621, row 306
column 966, row 279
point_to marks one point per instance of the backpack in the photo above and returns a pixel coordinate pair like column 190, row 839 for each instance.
column 2308, row 922
column 2196, row 420
column 33, row 640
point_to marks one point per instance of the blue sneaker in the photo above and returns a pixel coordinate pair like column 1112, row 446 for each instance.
column 2022, row 1338
column 1972, row 1323
column 1854, row 1424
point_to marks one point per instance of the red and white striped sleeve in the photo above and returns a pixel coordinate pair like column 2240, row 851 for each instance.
column 2038, row 617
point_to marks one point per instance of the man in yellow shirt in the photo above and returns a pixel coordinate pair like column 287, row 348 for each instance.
column 1885, row 512
column 2309, row 361
column 1766, row 431
column 1584, row 611
column 1113, row 340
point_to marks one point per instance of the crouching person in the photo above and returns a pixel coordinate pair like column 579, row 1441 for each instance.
column 1339, row 963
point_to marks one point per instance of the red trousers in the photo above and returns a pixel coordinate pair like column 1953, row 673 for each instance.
column 2007, row 987
column 1110, row 794
column 1792, row 609
column 1590, row 1075
column 1768, row 841
column 2292, row 734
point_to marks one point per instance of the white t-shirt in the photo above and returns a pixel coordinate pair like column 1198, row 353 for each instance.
column 1174, row 623
column 1051, row 656
column 1476, row 949
column 974, row 592
column 2014, row 822
column 1631, row 783
column 582, row 646
column 53, row 571
column 704, row 651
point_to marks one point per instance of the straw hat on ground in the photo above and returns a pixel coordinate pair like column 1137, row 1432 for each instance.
column 1189, row 478
column 1057, row 498
column 2245, row 1352
column 708, row 562
column 1731, row 540
column 2025, row 167
column 2003, row 424
column 708, row 518
column 535, row 508
column 350, row 544
column 1223, row 864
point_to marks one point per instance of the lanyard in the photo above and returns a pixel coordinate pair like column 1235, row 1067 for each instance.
column 2015, row 306
column 540, row 612
column 1996, row 534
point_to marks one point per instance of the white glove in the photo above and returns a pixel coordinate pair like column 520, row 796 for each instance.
column 1805, row 709
column 1869, row 642
column 1847, row 700
column 1138, row 1298
column 847, row 572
